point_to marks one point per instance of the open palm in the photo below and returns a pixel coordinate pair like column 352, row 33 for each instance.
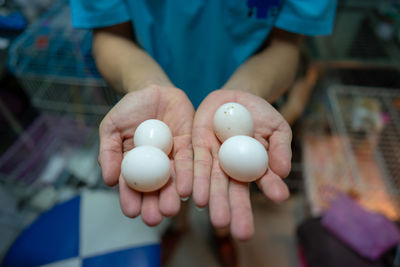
column 171, row 106
column 229, row 200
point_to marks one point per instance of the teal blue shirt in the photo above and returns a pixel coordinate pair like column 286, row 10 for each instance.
column 200, row 43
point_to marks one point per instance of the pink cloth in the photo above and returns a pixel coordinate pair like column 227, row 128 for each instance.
column 369, row 234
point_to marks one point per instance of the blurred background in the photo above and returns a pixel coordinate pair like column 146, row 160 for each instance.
column 344, row 108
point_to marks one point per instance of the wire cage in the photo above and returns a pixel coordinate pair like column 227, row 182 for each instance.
column 53, row 62
column 361, row 155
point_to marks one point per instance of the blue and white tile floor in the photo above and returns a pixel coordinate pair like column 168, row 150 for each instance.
column 87, row 230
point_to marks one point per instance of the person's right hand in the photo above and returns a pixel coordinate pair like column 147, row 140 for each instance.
column 171, row 106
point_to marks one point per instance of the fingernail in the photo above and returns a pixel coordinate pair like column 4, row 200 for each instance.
column 184, row 199
column 199, row 209
column 279, row 193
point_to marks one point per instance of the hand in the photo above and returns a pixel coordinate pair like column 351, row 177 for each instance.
column 229, row 200
column 170, row 105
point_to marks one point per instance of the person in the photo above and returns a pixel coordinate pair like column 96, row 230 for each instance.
column 171, row 57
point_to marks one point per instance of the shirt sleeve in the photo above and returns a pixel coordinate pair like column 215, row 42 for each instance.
column 308, row 17
column 89, row 14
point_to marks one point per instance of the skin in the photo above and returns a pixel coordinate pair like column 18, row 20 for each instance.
column 299, row 95
column 229, row 200
column 170, row 105
column 150, row 94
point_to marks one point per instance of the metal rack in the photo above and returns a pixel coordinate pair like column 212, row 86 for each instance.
column 53, row 62
column 373, row 127
column 361, row 156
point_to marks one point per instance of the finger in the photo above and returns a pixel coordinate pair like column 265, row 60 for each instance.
column 273, row 187
column 183, row 159
column 202, row 171
column 110, row 154
column 242, row 226
column 130, row 200
column 151, row 214
column 219, row 199
column 280, row 152
column 205, row 145
column 169, row 199
column 262, row 140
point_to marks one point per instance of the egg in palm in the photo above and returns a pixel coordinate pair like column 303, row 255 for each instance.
column 241, row 156
column 146, row 167
column 232, row 119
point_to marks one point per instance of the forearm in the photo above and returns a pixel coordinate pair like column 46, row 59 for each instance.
column 122, row 63
column 270, row 72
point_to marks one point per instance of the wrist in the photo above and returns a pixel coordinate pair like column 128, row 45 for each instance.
column 133, row 84
column 157, row 83
column 248, row 88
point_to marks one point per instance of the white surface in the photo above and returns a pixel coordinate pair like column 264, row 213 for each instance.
column 104, row 228
column 73, row 262
column 84, row 166
column 154, row 133
column 53, row 168
column 243, row 158
column 44, row 199
column 145, row 168
column 232, row 119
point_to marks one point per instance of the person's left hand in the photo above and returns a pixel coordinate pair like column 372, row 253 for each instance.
column 229, row 200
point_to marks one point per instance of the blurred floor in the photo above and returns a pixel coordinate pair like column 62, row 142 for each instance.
column 273, row 244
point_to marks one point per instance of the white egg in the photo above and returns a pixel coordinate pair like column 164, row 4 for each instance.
column 145, row 168
column 153, row 133
column 232, row 119
column 243, row 158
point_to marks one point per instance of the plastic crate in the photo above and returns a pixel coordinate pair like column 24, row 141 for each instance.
column 53, row 62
